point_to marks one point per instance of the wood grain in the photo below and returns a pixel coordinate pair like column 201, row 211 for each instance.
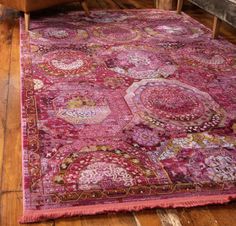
column 225, row 215
column 168, row 217
column 120, row 219
column 147, row 218
column 5, row 53
column 92, row 5
column 108, row 4
column 166, row 4
column 69, row 222
column 11, row 196
column 196, row 217
column 11, row 174
column 12, row 210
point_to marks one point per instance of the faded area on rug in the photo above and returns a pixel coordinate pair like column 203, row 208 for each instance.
column 125, row 110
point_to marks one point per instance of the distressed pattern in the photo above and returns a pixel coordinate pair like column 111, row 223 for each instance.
column 124, row 107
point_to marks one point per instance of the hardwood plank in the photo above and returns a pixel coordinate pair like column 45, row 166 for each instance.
column 12, row 210
column 102, row 4
column 121, row 219
column 119, row 3
column 129, row 4
column 93, row 4
column 69, row 222
column 11, row 174
column 147, row 218
column 142, row 4
column 107, row 4
column 110, row 219
column 1, row 11
column 112, row 4
column 5, row 52
column 169, row 217
column 198, row 216
column 6, row 26
column 225, row 215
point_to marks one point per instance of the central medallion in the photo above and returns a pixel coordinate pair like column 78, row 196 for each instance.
column 173, row 105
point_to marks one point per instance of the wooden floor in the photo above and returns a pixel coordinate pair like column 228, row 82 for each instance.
column 10, row 138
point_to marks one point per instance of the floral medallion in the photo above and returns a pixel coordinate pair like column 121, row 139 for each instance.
column 138, row 62
column 66, row 63
column 52, row 34
column 102, row 164
column 115, row 33
column 202, row 56
column 173, row 30
column 173, row 105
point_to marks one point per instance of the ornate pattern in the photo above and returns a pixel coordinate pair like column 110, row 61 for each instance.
column 115, row 33
column 126, row 106
column 65, row 63
column 138, row 62
column 173, row 29
column 154, row 102
column 220, row 60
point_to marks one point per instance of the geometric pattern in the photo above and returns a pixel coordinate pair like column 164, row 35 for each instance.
column 125, row 110
column 195, row 111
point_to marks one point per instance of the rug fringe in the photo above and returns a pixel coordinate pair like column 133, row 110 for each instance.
column 42, row 215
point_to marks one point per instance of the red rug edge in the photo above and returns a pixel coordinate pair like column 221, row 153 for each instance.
column 33, row 216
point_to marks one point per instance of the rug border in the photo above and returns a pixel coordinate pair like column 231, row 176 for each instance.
column 49, row 214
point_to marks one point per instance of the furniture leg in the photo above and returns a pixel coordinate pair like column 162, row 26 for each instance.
column 179, row 6
column 166, row 4
column 156, row 3
column 85, row 7
column 27, row 21
column 216, row 27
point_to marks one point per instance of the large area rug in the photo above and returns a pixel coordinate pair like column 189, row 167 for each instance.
column 125, row 110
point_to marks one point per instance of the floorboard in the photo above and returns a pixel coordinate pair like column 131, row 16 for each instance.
column 147, row 218
column 12, row 210
column 5, row 53
column 11, row 173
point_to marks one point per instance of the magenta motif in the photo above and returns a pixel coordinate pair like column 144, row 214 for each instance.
column 125, row 110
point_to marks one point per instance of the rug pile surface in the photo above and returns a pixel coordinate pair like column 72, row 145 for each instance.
column 125, row 110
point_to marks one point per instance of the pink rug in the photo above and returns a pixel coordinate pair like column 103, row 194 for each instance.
column 125, row 110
